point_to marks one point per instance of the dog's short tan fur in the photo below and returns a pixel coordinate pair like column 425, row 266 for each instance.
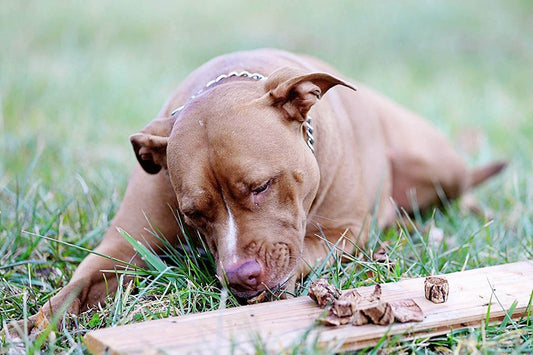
column 235, row 162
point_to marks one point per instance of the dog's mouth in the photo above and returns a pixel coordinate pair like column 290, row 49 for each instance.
column 260, row 296
column 264, row 294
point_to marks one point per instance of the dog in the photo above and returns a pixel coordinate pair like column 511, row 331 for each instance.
column 270, row 155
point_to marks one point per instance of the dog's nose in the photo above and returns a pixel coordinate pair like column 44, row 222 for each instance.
column 245, row 276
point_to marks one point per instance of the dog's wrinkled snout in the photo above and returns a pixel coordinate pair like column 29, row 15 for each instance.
column 245, row 276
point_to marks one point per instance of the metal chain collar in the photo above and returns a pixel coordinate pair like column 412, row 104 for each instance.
column 256, row 76
column 309, row 133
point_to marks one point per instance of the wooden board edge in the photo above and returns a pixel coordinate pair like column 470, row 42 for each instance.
column 497, row 314
column 411, row 334
column 96, row 346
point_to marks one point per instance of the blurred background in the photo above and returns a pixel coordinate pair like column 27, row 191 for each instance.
column 77, row 78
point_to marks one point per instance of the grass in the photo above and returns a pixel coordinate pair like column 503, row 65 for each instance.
column 76, row 79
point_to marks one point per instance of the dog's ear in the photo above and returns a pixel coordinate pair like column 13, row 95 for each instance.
column 150, row 145
column 296, row 91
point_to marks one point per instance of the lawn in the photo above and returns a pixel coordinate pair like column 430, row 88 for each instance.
column 77, row 78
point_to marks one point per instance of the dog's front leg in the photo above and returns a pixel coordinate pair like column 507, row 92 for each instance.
column 146, row 196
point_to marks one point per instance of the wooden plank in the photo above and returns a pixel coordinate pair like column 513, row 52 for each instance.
column 284, row 323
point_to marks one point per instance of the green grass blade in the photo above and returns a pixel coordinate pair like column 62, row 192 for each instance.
column 145, row 253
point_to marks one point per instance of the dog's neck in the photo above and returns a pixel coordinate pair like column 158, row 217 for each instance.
column 308, row 128
column 218, row 79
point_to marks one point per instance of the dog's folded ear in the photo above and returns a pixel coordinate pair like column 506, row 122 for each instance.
column 296, row 91
column 150, row 145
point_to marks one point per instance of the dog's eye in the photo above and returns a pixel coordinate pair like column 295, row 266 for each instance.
column 262, row 188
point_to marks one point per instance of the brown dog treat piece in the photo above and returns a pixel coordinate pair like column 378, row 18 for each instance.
column 343, row 308
column 376, row 295
column 339, row 313
column 388, row 316
column 379, row 313
column 257, row 299
column 322, row 292
column 436, row 289
column 359, row 318
column 383, row 258
column 352, row 296
column 406, row 310
column 353, row 308
column 332, row 319
column 380, row 255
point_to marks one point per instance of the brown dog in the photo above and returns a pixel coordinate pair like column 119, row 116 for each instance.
column 248, row 154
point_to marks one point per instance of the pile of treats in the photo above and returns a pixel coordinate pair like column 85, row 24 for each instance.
column 352, row 308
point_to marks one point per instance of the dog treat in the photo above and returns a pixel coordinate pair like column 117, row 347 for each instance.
column 359, row 318
column 381, row 256
column 407, row 311
column 346, row 307
column 352, row 308
column 333, row 319
column 323, row 293
column 343, row 308
column 257, row 299
column 436, row 289
column 379, row 313
column 376, row 294
column 352, row 296
column 372, row 309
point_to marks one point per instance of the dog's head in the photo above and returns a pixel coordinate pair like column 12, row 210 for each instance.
column 242, row 172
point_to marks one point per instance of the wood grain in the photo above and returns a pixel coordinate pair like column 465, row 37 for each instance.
column 281, row 324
